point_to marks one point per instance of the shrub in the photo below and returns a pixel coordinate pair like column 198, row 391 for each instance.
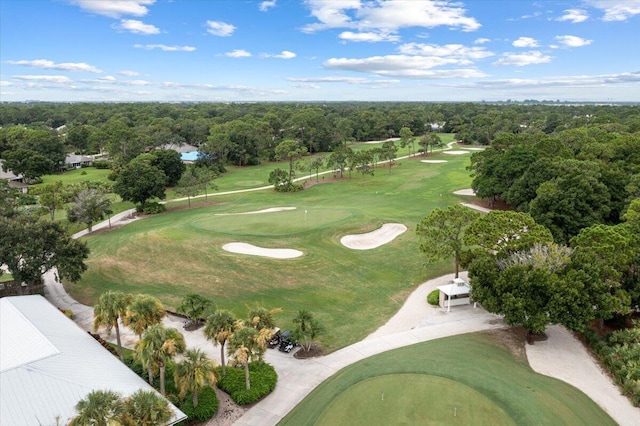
column 207, row 405
column 101, row 164
column 152, row 208
column 263, row 382
column 434, row 297
column 82, row 173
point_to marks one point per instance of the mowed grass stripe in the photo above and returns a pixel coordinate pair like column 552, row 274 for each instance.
column 479, row 361
column 352, row 292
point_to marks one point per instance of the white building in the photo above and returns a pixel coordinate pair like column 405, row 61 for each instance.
column 456, row 293
column 48, row 364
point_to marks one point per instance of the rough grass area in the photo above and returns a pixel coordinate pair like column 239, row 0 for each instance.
column 351, row 292
column 78, row 175
column 497, row 385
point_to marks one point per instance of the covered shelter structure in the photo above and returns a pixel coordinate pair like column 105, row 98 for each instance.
column 48, row 364
column 456, row 293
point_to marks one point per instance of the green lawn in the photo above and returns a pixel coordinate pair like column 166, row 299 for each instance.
column 352, row 292
column 475, row 373
column 76, row 176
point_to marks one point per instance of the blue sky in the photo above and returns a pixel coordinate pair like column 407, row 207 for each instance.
column 317, row 50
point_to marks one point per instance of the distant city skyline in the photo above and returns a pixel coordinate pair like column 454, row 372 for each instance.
column 317, row 50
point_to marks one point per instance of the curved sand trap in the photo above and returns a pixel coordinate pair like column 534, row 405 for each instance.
column 473, row 149
column 383, row 235
column 244, row 248
column 468, row 191
column 455, row 152
column 433, row 161
column 271, row 210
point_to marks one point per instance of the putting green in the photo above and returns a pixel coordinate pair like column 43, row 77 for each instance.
column 412, row 399
column 288, row 222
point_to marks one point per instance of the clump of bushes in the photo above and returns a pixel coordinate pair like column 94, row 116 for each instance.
column 263, row 381
column 434, row 298
column 152, row 208
column 619, row 352
column 207, row 405
column 101, row 164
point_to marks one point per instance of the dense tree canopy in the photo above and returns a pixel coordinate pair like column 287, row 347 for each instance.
column 140, row 180
column 30, row 247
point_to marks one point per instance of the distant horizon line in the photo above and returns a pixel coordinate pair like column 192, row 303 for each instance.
column 508, row 101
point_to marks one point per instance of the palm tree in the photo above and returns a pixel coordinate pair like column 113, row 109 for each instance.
column 109, row 309
column 262, row 320
column 193, row 306
column 142, row 312
column 220, row 326
column 193, row 373
column 243, row 343
column 302, row 319
column 147, row 408
column 158, row 346
column 99, row 408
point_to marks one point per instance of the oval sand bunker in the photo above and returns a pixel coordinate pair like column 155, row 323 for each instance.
column 383, row 235
column 270, row 210
column 244, row 248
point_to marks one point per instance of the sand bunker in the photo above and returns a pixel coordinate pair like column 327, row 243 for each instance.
column 455, row 152
column 470, row 192
column 473, row 149
column 386, row 140
column 271, row 210
column 383, row 235
column 479, row 208
column 433, row 161
column 244, row 248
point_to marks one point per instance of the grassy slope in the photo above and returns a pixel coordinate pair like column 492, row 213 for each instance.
column 352, row 292
column 475, row 360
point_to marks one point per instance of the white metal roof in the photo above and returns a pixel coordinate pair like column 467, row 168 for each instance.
column 49, row 364
column 455, row 288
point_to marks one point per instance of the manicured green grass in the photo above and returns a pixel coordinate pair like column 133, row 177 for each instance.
column 474, row 373
column 351, row 292
column 415, row 399
column 76, row 176
column 6, row 276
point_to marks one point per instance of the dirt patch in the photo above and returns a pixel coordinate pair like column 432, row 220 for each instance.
column 228, row 411
column 302, row 353
column 513, row 338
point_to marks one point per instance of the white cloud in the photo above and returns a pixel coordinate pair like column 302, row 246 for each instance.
column 129, row 73
column 526, row 42
column 573, row 41
column 370, row 37
column 465, row 54
column 522, row 59
column 616, row 10
column 136, row 27
column 115, row 9
column 482, row 40
column 266, row 5
column 338, row 79
column 556, row 81
column 4, row 83
column 285, row 54
column 219, row 28
column 307, row 86
column 136, row 83
column 403, row 66
column 58, row 79
column 165, row 48
column 238, row 53
column 388, row 15
column 66, row 66
column 574, row 15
